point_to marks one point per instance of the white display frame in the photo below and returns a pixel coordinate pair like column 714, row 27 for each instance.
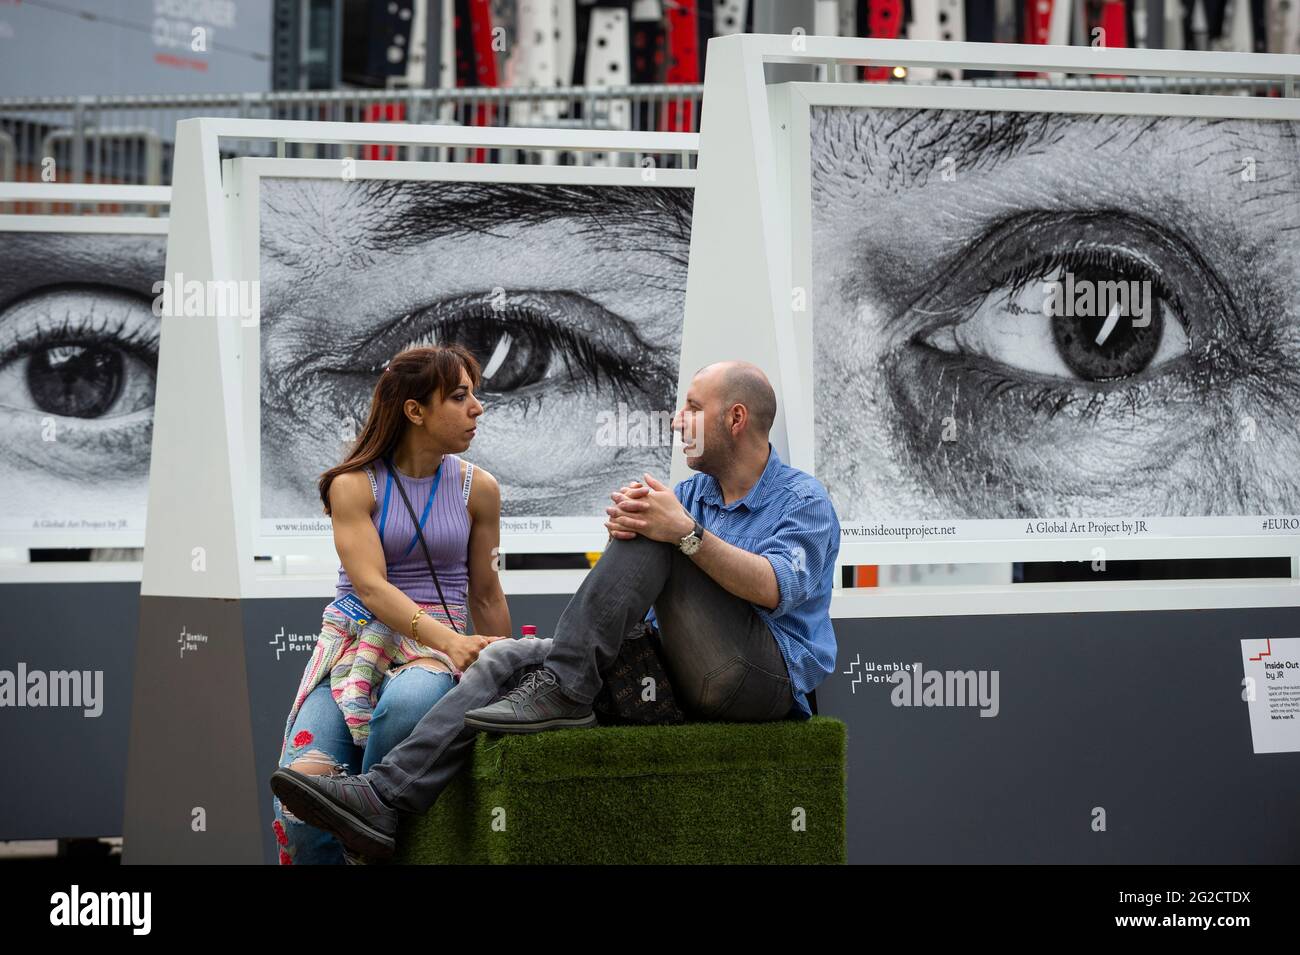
column 570, row 534
column 84, row 225
column 742, row 229
column 65, row 224
column 794, row 105
column 200, row 534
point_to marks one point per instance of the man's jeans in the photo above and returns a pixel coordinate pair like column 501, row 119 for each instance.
column 412, row 776
column 723, row 661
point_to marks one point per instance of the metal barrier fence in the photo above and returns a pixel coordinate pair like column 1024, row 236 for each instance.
column 128, row 139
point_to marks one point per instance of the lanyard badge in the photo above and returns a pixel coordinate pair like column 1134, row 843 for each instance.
column 350, row 606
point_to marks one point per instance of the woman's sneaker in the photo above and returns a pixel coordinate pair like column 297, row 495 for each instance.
column 347, row 806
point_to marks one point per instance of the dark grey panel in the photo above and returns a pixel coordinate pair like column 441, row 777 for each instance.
column 73, row 766
column 1138, row 713
column 191, row 742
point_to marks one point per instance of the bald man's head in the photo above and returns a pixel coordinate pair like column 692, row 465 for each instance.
column 743, row 383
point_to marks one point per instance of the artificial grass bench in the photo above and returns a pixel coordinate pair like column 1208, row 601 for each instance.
column 696, row 793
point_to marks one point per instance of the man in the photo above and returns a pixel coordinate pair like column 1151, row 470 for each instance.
column 737, row 565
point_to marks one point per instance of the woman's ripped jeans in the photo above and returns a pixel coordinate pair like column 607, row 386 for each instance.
column 320, row 743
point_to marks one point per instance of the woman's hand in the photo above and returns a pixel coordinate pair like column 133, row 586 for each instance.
column 464, row 650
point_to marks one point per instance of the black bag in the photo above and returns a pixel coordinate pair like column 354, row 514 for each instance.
column 622, row 698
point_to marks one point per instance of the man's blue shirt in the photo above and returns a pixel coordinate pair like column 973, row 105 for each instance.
column 788, row 518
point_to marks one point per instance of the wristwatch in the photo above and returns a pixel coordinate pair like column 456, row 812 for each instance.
column 689, row 544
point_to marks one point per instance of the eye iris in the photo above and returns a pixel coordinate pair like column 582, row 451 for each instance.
column 75, row 381
column 1125, row 350
column 510, row 360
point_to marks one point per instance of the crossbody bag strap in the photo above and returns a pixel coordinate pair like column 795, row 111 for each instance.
column 423, row 546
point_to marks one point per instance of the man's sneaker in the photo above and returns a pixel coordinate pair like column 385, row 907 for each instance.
column 347, row 806
column 536, row 704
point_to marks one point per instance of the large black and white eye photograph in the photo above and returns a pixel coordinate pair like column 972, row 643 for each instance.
column 570, row 297
column 78, row 362
column 1025, row 315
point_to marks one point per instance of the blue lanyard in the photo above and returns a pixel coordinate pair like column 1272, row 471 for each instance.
column 428, row 505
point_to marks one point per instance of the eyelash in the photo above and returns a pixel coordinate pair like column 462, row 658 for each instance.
column 140, row 342
column 1051, row 400
column 1118, row 263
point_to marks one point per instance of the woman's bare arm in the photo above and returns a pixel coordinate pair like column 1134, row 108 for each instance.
column 487, row 601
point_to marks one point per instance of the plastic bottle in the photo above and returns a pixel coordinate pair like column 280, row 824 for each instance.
column 527, row 630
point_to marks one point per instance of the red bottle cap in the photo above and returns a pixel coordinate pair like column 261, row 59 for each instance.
column 528, row 630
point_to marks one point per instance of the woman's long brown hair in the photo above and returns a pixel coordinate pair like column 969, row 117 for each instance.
column 417, row 373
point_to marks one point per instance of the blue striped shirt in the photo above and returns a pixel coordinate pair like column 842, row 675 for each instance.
column 787, row 517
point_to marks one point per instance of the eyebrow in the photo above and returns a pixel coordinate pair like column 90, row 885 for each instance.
column 434, row 210
column 390, row 215
column 905, row 147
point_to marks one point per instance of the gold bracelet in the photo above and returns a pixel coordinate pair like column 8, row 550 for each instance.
column 416, row 616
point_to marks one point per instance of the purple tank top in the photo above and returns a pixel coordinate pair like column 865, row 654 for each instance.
column 446, row 531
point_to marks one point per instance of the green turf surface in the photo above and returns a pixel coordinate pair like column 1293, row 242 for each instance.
column 699, row 793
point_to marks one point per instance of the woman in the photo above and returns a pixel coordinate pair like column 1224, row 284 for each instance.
column 395, row 641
